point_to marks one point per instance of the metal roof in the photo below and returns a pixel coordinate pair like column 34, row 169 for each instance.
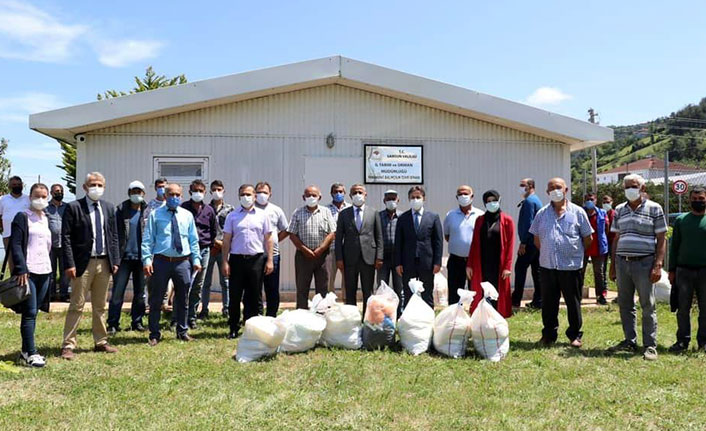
column 67, row 122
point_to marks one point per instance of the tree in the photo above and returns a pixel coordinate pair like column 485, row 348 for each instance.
column 4, row 167
column 151, row 81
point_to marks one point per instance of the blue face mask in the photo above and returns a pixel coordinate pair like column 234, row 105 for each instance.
column 160, row 192
column 589, row 205
column 338, row 197
column 173, row 202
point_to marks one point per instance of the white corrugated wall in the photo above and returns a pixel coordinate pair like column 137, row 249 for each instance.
column 269, row 138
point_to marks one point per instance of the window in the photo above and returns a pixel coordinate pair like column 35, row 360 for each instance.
column 182, row 170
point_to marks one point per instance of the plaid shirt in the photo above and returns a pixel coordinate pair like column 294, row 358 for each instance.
column 221, row 216
column 389, row 225
column 312, row 227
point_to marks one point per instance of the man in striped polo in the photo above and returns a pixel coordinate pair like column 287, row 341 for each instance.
column 638, row 252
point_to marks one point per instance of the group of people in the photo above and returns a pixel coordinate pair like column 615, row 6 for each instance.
column 174, row 239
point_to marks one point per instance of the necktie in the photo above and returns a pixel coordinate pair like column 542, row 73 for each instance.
column 416, row 221
column 176, row 236
column 358, row 219
column 99, row 229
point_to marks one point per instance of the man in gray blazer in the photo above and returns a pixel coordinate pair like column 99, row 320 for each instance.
column 359, row 247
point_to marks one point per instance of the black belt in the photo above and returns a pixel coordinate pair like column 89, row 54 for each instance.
column 247, row 256
column 170, row 259
column 105, row 256
column 635, row 258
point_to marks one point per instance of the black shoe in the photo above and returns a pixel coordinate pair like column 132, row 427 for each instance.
column 65, row 298
column 623, row 346
column 192, row 324
column 112, row 330
column 545, row 342
column 139, row 327
column 679, row 347
column 232, row 335
column 185, row 337
column 533, row 306
column 226, row 314
column 601, row 300
column 203, row 315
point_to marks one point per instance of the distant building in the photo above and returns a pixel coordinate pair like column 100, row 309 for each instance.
column 649, row 168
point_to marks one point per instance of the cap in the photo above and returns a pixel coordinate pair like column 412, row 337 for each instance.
column 391, row 192
column 136, row 185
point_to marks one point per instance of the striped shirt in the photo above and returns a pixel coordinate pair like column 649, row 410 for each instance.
column 312, row 227
column 638, row 229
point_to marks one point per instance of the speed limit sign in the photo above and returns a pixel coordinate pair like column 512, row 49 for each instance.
column 680, row 187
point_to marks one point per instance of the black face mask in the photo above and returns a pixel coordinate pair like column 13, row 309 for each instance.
column 16, row 190
column 698, row 206
column 58, row 197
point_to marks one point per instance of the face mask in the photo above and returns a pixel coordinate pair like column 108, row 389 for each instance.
column 556, row 195
column 262, row 198
column 311, row 201
column 607, row 206
column 522, row 191
column 391, row 205
column 246, row 201
column 217, row 195
column 464, row 200
column 698, row 206
column 58, row 197
column 358, row 199
column 492, row 207
column 17, row 190
column 136, row 199
column 416, row 204
column 160, row 192
column 173, row 201
column 632, row 194
column 338, row 197
column 197, row 196
column 95, row 193
column 589, row 205
column 39, row 204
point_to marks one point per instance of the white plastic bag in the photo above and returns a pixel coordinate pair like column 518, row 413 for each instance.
column 320, row 303
column 452, row 327
column 416, row 324
column 380, row 316
column 304, row 329
column 663, row 288
column 343, row 326
column 261, row 337
column 491, row 335
column 441, row 290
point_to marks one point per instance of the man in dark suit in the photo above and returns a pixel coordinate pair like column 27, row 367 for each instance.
column 419, row 242
column 359, row 247
column 90, row 246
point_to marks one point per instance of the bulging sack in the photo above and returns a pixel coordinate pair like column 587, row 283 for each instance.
column 452, row 327
column 343, row 327
column 490, row 332
column 303, row 330
column 261, row 337
column 416, row 325
column 380, row 318
column 663, row 288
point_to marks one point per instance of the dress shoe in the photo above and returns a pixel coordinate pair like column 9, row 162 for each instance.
column 533, row 306
column 112, row 330
column 545, row 342
column 105, row 348
column 153, row 342
column 233, row 335
column 139, row 327
column 67, row 354
column 203, row 315
column 679, row 347
column 185, row 337
column 192, row 324
column 623, row 346
column 601, row 300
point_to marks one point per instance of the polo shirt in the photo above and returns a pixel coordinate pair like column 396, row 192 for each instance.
column 638, row 229
column 459, row 228
column 9, row 207
column 278, row 221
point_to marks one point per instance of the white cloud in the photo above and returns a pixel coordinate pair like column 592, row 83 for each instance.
column 119, row 53
column 544, row 96
column 49, row 151
column 16, row 109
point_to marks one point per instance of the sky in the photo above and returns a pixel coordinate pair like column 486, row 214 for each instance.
column 631, row 61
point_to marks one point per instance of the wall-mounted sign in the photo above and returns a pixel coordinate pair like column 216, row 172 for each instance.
column 394, row 164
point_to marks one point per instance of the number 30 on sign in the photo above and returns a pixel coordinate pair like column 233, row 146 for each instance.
column 680, row 187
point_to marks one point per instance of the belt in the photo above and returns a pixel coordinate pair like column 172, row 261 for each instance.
column 247, row 256
column 105, row 256
column 170, row 259
column 635, row 258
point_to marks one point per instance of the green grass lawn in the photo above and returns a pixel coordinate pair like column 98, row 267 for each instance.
column 199, row 386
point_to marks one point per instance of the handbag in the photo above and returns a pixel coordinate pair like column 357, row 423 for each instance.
column 11, row 291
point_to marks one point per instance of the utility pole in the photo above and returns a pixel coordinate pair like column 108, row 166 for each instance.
column 594, row 165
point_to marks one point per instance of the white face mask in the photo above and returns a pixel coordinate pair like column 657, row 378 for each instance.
column 217, row 195
column 556, row 195
column 492, row 207
column 358, row 199
column 39, row 204
column 311, row 201
column 262, row 198
column 607, row 207
column 246, row 201
column 416, row 204
column 197, row 196
column 633, row 194
column 391, row 205
column 95, row 193
column 464, row 200
column 523, row 191
column 136, row 199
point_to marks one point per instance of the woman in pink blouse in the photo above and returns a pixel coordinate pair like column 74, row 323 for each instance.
column 30, row 245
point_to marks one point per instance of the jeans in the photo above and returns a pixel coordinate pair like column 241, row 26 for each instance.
column 180, row 274
column 529, row 259
column 271, row 283
column 634, row 275
column 195, row 290
column 556, row 283
column 599, row 280
column 456, row 268
column 246, row 274
column 57, row 262
column 213, row 260
column 690, row 280
column 384, row 273
column 127, row 268
column 39, row 287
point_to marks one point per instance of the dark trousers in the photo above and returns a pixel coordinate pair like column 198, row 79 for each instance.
column 271, row 283
column 366, row 273
column 456, row 268
column 384, row 273
column 426, row 276
column 128, row 267
column 599, row 280
column 690, row 281
column 180, row 274
column 554, row 284
column 57, row 262
column 305, row 269
column 39, row 287
column 245, row 284
column 527, row 260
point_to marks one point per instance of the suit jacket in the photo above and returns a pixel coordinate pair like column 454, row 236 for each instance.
column 428, row 243
column 351, row 245
column 77, row 235
column 122, row 221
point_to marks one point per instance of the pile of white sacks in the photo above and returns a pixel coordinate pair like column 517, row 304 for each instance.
column 332, row 324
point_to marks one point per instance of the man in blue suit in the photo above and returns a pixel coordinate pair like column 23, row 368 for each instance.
column 419, row 242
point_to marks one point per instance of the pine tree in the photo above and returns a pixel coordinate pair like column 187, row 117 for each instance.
column 4, row 167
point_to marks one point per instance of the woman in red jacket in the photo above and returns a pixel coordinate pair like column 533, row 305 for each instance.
column 490, row 257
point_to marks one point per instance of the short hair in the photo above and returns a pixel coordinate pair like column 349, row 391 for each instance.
column 245, row 186
column 263, row 184
column 94, row 174
column 697, row 190
column 217, row 183
column 416, row 189
column 530, row 182
column 15, row 177
column 590, row 195
column 197, row 182
column 358, row 185
column 608, row 196
column 160, row 180
column 634, row 177
column 334, row 186
column 38, row 186
column 57, row 185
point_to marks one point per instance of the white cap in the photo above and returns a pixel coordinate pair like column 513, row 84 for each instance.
column 136, row 185
column 391, row 191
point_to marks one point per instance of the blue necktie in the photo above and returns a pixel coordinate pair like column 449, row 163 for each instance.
column 176, row 236
column 99, row 229
column 416, row 221
column 358, row 219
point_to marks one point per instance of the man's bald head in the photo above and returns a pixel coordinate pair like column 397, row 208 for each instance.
column 173, row 189
column 464, row 190
column 312, row 190
column 556, row 183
